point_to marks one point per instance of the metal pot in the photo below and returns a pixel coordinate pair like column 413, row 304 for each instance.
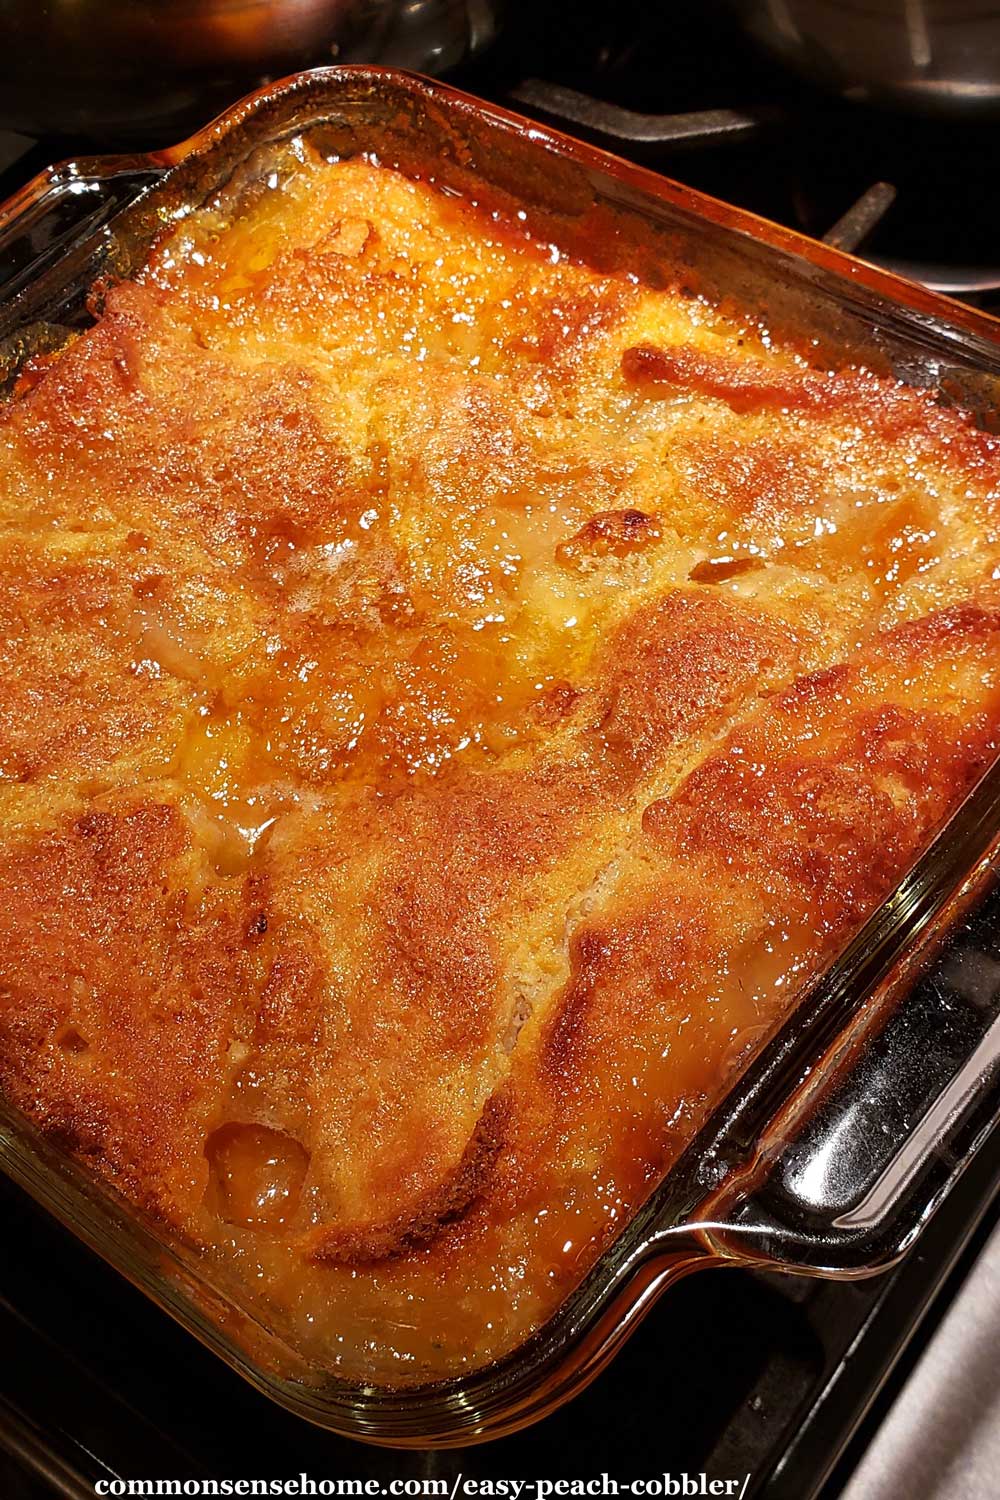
column 125, row 69
column 935, row 56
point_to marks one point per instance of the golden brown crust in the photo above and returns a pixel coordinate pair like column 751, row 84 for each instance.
column 356, row 1244
column 678, row 663
column 613, row 533
column 453, row 702
column 121, row 991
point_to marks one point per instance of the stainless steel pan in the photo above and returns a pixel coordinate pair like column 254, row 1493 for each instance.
column 141, row 69
column 936, row 56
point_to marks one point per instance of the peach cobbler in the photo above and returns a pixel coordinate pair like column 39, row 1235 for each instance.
column 454, row 700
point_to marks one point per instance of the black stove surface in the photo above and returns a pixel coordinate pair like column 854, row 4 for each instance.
column 734, row 1372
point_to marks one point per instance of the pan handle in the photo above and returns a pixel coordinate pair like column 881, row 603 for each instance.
column 839, row 1146
column 848, row 1192
column 56, row 237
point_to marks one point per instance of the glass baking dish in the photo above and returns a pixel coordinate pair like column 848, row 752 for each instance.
column 785, row 1173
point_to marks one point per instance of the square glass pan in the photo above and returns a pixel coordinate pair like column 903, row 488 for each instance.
column 780, row 1175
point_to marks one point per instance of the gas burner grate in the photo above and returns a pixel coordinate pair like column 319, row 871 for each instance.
column 627, row 128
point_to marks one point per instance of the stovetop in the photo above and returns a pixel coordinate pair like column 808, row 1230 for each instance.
column 733, row 1372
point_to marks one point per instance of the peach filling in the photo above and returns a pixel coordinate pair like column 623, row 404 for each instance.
column 256, row 1175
